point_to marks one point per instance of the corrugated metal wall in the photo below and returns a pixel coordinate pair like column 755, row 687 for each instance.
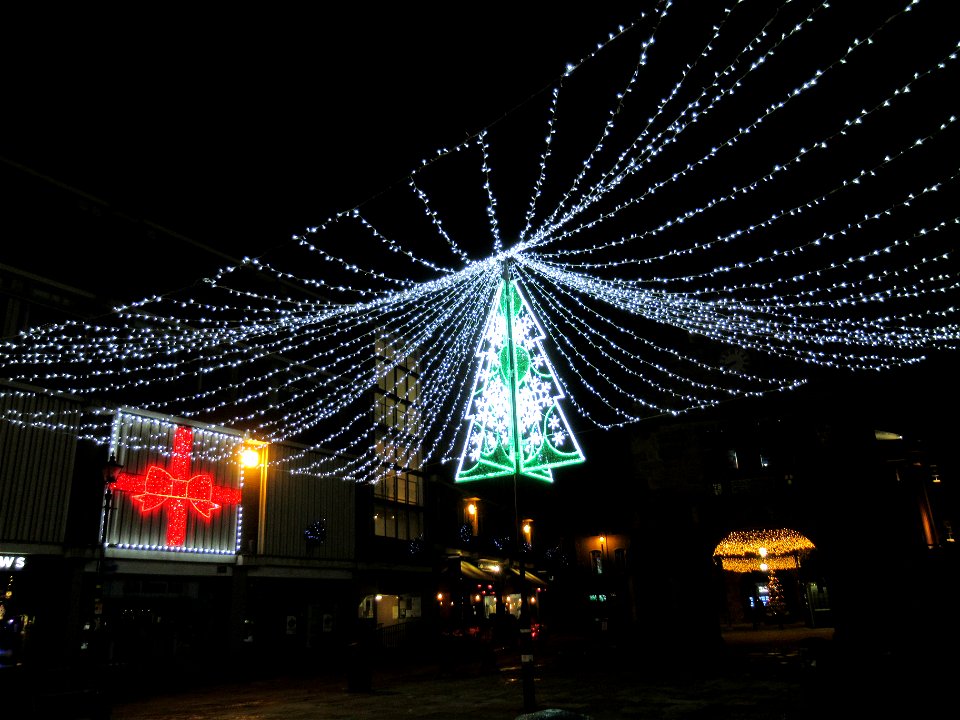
column 296, row 501
column 36, row 465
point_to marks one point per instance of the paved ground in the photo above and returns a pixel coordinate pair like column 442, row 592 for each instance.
column 771, row 673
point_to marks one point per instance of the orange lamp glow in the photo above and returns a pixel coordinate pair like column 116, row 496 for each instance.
column 249, row 457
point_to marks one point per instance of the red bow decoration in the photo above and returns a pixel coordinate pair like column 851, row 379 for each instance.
column 161, row 486
column 176, row 489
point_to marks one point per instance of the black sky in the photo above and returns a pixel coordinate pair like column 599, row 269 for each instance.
column 236, row 126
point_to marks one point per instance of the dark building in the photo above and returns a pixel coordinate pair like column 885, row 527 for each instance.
column 863, row 470
column 142, row 541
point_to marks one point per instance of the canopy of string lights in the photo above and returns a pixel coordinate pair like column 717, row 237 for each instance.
column 711, row 204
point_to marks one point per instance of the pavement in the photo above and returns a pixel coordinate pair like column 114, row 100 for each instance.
column 754, row 674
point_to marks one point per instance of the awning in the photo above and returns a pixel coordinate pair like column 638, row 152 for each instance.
column 474, row 572
column 534, row 580
column 469, row 570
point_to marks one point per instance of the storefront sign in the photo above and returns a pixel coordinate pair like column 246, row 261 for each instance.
column 12, row 562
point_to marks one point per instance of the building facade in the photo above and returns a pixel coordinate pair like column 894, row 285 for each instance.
column 148, row 541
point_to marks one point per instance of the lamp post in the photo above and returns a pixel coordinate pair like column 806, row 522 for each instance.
column 98, row 642
column 526, row 637
column 110, row 472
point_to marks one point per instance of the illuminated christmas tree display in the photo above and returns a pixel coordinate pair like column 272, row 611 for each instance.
column 516, row 423
column 778, row 179
column 777, row 601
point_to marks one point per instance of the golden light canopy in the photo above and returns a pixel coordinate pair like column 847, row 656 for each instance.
column 776, row 549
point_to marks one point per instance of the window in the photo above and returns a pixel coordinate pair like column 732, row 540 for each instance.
column 386, row 411
column 596, row 561
column 396, row 521
column 400, row 487
column 732, row 460
column 620, row 558
column 398, row 496
column 385, row 488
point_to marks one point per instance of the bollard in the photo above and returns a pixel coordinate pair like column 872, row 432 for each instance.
column 359, row 674
column 526, row 667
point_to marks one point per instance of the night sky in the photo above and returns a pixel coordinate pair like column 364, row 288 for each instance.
column 237, row 127
column 234, row 128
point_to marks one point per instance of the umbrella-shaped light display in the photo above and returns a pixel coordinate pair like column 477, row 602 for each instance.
column 762, row 550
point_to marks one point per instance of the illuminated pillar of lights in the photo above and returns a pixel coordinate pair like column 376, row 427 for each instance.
column 515, row 421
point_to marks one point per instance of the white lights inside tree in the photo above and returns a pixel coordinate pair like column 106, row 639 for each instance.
column 516, row 424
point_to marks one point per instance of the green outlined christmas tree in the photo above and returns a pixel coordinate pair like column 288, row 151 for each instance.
column 516, row 424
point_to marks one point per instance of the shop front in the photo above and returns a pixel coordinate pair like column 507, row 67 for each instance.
column 34, row 610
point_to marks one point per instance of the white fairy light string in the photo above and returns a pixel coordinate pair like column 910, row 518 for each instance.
column 776, row 179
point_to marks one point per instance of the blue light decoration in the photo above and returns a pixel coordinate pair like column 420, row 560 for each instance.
column 516, row 424
column 316, row 534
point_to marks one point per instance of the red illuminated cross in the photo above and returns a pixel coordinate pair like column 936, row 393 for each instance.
column 177, row 488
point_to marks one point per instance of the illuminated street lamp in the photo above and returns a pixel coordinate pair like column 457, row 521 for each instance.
column 249, row 457
column 471, row 511
column 254, row 460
